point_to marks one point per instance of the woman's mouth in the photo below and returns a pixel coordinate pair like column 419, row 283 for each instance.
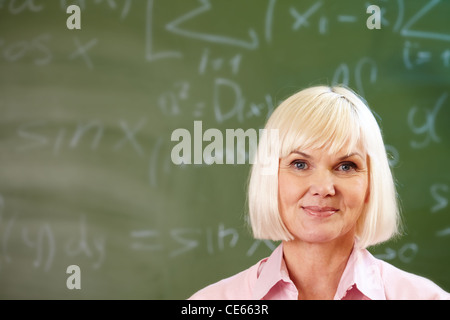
column 320, row 212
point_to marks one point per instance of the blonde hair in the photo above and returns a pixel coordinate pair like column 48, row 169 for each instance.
column 324, row 117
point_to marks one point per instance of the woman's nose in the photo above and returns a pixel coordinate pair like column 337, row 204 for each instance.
column 322, row 184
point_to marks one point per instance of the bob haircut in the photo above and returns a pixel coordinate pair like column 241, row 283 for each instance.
column 324, row 117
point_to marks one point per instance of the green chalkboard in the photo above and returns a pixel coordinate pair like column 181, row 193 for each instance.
column 86, row 117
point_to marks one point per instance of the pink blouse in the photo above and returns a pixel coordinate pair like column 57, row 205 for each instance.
column 364, row 278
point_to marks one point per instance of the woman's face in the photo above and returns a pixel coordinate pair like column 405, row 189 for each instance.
column 322, row 195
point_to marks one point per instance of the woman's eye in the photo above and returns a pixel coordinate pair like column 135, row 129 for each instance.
column 348, row 166
column 301, row 165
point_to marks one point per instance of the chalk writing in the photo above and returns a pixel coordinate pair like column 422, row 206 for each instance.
column 342, row 74
column 269, row 244
column 169, row 101
column 217, row 64
column 41, row 242
column 406, row 253
column 82, row 51
column 407, row 32
column 205, row 6
column 302, row 19
column 414, row 56
column 34, row 136
column 44, row 244
column 228, row 102
column 148, row 244
column 80, row 245
column 150, row 54
column 237, row 109
column 428, row 128
column 437, row 190
column 36, row 49
column 153, row 163
column 16, row 7
column 269, row 20
column 130, row 136
column 185, row 240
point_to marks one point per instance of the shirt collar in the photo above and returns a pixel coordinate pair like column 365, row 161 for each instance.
column 271, row 271
column 361, row 273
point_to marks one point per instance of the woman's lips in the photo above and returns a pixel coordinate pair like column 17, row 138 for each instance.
column 321, row 212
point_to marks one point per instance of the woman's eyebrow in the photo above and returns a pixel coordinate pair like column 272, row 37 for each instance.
column 305, row 155
column 351, row 155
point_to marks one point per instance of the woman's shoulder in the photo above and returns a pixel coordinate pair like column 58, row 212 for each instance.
column 403, row 285
column 236, row 287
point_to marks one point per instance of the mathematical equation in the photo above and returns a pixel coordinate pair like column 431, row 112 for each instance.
column 44, row 243
column 40, row 243
column 305, row 17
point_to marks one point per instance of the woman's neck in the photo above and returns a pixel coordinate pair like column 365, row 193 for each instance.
column 316, row 268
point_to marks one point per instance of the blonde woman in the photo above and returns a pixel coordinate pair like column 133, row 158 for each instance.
column 331, row 197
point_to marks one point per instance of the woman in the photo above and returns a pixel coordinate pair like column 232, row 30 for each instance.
column 331, row 197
